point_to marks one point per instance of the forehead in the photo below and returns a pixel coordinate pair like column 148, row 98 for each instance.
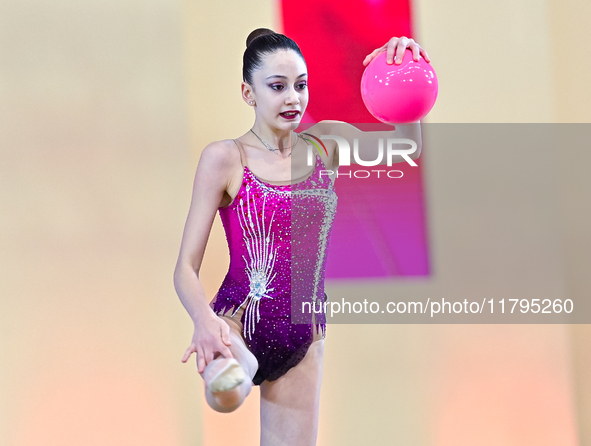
column 282, row 62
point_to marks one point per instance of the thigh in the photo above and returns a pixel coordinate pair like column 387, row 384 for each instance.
column 290, row 404
column 233, row 321
column 239, row 349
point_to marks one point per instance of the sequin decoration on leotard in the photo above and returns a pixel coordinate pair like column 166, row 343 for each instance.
column 269, row 229
column 261, row 258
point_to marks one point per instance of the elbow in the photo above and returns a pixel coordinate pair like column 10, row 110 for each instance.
column 177, row 275
column 181, row 270
column 176, row 278
column 418, row 140
column 177, row 269
column 417, row 153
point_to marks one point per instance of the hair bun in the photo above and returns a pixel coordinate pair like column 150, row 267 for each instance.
column 258, row 33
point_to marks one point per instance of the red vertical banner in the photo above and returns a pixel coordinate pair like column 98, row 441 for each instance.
column 380, row 227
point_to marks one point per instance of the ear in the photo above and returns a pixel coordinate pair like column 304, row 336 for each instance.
column 248, row 94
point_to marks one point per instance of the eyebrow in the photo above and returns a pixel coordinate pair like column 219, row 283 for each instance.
column 284, row 77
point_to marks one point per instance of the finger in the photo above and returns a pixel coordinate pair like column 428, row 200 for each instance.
column 371, row 56
column 425, row 55
column 188, row 353
column 400, row 49
column 200, row 361
column 391, row 47
column 226, row 352
column 207, row 355
column 225, row 334
column 415, row 53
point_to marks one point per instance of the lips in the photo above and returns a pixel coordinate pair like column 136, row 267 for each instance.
column 289, row 114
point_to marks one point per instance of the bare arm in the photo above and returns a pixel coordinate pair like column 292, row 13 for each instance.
column 211, row 180
column 368, row 142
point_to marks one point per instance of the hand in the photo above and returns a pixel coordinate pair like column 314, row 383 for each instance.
column 211, row 339
column 399, row 45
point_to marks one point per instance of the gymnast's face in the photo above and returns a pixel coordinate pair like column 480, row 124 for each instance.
column 280, row 85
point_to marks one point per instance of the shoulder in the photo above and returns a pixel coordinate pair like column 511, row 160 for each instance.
column 327, row 146
column 220, row 154
column 321, row 128
column 219, row 164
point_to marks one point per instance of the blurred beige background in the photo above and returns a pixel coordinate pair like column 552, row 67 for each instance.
column 104, row 109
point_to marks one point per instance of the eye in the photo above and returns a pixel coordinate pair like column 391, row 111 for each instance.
column 277, row 87
column 302, row 86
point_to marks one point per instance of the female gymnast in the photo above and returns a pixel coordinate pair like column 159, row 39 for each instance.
column 277, row 204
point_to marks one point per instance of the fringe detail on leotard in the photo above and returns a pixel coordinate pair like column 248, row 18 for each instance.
column 321, row 327
column 225, row 307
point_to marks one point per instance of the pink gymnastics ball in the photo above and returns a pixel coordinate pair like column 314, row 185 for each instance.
column 399, row 94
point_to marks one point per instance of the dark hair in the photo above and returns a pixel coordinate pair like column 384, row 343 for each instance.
column 259, row 43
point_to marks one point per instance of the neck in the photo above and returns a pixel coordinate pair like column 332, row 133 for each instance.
column 276, row 138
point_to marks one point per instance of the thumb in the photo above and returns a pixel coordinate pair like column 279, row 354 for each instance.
column 225, row 334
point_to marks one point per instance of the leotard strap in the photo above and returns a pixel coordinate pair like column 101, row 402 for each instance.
column 242, row 153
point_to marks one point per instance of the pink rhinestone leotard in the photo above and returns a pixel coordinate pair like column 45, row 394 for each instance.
column 277, row 237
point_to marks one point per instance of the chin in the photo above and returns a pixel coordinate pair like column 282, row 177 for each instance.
column 290, row 125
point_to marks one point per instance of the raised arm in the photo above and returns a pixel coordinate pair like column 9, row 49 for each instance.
column 212, row 178
column 407, row 145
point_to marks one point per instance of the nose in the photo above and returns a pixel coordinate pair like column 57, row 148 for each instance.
column 292, row 97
